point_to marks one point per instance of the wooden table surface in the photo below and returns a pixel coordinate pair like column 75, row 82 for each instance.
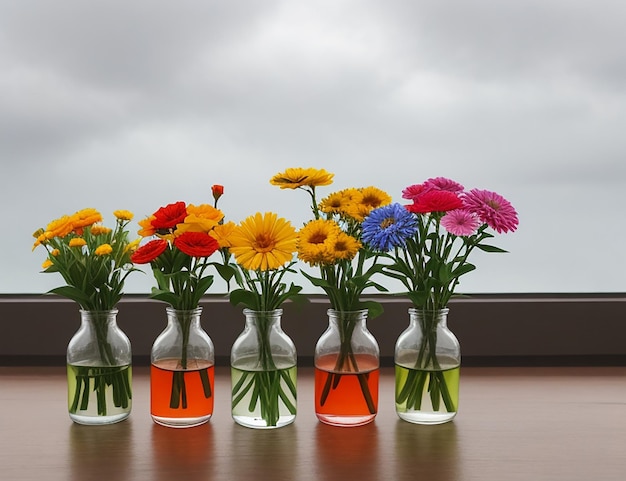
column 513, row 424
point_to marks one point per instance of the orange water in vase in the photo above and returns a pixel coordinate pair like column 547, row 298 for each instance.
column 346, row 398
column 181, row 398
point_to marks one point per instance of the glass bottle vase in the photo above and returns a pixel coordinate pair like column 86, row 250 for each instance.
column 347, row 370
column 263, row 372
column 99, row 371
column 427, row 369
column 182, row 371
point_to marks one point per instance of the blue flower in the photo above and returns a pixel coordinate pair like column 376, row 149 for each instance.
column 388, row 227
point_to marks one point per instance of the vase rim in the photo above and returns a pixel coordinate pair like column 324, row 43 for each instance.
column 195, row 309
column 337, row 311
column 277, row 311
column 114, row 310
column 443, row 310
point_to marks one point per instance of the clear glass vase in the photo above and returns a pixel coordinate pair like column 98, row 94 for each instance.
column 182, row 372
column 99, row 370
column 263, row 372
column 427, row 369
column 347, row 370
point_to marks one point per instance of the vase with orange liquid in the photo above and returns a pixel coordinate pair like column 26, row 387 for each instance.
column 347, row 371
column 182, row 371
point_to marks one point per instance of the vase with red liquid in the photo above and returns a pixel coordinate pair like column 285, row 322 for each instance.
column 182, row 371
column 347, row 371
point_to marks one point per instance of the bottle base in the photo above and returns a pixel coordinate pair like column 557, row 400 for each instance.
column 260, row 423
column 98, row 420
column 345, row 421
column 181, row 422
column 424, row 417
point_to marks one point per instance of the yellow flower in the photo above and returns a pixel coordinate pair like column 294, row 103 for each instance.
column 55, row 252
column 296, row 177
column 263, row 242
column 147, row 229
column 316, row 240
column 222, row 232
column 77, row 242
column 41, row 239
column 200, row 218
column 84, row 218
column 342, row 202
column 132, row 246
column 59, row 227
column 103, row 250
column 345, row 247
column 123, row 214
column 99, row 229
column 47, row 263
column 369, row 199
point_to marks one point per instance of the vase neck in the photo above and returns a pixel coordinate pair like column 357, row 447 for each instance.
column 99, row 317
column 429, row 318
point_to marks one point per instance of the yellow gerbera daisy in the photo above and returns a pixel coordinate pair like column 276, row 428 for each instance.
column 103, row 250
column 222, row 232
column 373, row 197
column 295, row 177
column 341, row 202
column 263, row 242
column 315, row 241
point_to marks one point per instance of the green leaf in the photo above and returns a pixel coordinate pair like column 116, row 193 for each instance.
column 226, row 272
column 418, row 298
column 244, row 297
column 316, row 281
column 165, row 296
column 72, row 293
column 488, row 248
column 463, row 269
column 374, row 309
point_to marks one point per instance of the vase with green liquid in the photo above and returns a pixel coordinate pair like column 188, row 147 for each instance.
column 427, row 368
column 99, row 371
column 263, row 373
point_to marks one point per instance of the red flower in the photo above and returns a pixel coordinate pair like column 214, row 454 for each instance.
column 435, row 201
column 218, row 191
column 148, row 252
column 196, row 244
column 167, row 217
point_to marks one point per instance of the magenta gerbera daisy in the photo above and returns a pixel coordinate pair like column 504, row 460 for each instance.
column 460, row 222
column 492, row 209
column 435, row 201
column 413, row 191
column 443, row 183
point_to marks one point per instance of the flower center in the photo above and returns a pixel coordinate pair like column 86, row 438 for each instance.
column 388, row 222
column 317, row 238
column 493, row 204
column 264, row 243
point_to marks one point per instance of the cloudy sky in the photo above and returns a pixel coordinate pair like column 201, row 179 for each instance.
column 134, row 104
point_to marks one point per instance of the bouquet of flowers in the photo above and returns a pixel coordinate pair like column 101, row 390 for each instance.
column 94, row 261
column 331, row 241
column 178, row 255
column 429, row 242
column 263, row 246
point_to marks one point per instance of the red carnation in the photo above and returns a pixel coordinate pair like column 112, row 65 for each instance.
column 148, row 252
column 196, row 244
column 435, row 201
column 167, row 217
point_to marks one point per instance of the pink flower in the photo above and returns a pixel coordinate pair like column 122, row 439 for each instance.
column 412, row 192
column 492, row 209
column 443, row 183
column 460, row 222
column 435, row 201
